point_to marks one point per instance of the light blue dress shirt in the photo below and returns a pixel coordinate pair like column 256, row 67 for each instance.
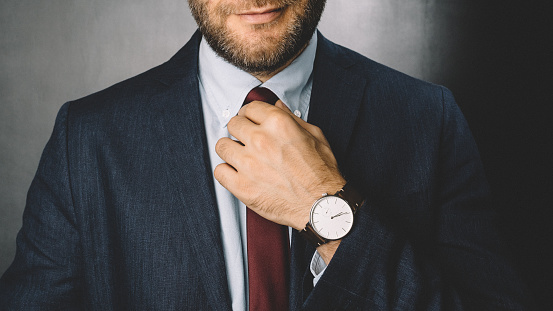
column 223, row 88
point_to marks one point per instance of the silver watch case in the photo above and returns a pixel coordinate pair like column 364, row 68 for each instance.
column 331, row 217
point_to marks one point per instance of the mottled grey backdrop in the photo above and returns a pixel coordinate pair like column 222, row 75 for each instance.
column 58, row 50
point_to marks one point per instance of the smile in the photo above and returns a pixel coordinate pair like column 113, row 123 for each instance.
column 261, row 16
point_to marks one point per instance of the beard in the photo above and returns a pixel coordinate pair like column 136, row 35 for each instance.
column 258, row 55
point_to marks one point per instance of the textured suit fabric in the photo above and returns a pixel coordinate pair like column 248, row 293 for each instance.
column 121, row 214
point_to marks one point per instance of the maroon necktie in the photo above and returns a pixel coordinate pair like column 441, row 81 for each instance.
column 268, row 248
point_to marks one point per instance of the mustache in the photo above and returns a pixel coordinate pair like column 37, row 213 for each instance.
column 234, row 7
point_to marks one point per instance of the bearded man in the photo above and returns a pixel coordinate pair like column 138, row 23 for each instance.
column 263, row 168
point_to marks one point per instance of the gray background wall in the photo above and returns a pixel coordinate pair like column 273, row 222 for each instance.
column 494, row 56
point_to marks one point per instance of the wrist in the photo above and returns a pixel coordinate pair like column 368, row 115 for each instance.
column 327, row 251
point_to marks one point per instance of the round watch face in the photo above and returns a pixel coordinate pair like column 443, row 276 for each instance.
column 331, row 217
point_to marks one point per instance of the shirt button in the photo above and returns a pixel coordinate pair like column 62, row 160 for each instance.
column 297, row 113
column 226, row 113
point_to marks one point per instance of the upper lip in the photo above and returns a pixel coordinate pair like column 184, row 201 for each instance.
column 259, row 11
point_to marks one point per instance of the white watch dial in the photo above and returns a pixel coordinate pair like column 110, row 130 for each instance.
column 331, row 217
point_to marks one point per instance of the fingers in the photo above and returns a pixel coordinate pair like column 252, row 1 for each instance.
column 239, row 127
column 257, row 111
column 312, row 129
column 226, row 175
column 229, row 151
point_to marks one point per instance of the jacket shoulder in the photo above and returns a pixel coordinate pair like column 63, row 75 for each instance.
column 382, row 80
column 135, row 92
column 125, row 92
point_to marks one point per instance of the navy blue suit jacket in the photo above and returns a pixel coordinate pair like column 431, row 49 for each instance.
column 122, row 216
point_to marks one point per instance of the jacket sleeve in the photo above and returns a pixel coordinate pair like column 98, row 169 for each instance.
column 381, row 265
column 45, row 274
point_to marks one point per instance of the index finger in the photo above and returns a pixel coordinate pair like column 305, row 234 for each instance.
column 257, row 111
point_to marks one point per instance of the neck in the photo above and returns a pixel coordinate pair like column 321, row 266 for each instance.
column 265, row 76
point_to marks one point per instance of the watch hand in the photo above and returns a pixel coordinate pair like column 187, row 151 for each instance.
column 339, row 214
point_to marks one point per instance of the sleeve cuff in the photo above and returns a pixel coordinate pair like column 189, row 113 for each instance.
column 317, row 267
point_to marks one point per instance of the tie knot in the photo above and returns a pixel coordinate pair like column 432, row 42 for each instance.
column 261, row 94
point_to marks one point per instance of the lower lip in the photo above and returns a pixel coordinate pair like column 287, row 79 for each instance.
column 262, row 18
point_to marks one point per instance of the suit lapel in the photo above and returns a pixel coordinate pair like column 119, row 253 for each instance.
column 335, row 100
column 188, row 169
column 336, row 96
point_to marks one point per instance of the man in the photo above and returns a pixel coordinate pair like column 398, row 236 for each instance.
column 124, row 212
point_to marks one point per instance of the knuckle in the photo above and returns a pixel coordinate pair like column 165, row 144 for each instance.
column 231, row 123
column 317, row 132
column 258, row 140
column 218, row 173
column 283, row 119
column 278, row 119
column 326, row 151
column 220, row 146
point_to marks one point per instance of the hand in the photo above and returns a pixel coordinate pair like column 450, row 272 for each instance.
column 280, row 165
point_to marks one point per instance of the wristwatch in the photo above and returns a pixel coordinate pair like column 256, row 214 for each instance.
column 332, row 216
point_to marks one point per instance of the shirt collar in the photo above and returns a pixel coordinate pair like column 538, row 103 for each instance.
column 226, row 86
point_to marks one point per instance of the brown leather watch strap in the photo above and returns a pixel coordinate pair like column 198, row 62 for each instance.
column 351, row 196
column 311, row 236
